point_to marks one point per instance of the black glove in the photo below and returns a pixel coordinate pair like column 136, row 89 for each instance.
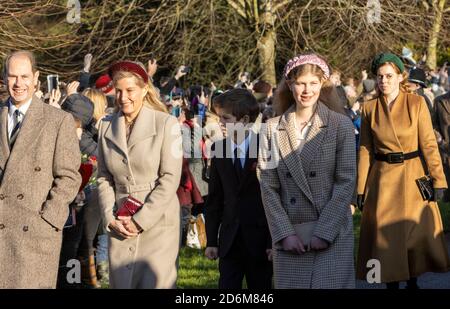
column 438, row 194
column 360, row 201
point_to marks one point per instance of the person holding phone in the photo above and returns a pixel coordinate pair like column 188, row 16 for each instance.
column 166, row 87
column 139, row 165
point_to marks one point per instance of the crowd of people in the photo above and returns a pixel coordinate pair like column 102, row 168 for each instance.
column 110, row 171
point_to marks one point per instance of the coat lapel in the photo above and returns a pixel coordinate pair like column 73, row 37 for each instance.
column 116, row 133
column 251, row 159
column 29, row 132
column 4, row 147
column 289, row 151
column 315, row 136
column 144, row 127
column 228, row 162
column 385, row 119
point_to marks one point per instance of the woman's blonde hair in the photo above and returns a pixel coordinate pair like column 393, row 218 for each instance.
column 151, row 99
column 99, row 99
column 283, row 98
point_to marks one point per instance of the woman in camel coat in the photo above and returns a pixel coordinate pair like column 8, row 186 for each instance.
column 398, row 228
column 140, row 155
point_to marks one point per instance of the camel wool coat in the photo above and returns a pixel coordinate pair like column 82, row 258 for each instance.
column 147, row 167
column 39, row 179
column 315, row 184
column 398, row 227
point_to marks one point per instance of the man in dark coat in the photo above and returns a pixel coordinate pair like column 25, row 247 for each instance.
column 442, row 107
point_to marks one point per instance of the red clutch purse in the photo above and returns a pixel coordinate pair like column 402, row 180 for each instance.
column 129, row 207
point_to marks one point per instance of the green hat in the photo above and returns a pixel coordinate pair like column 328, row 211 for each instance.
column 382, row 58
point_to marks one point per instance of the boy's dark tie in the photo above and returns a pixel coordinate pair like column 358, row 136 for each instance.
column 237, row 163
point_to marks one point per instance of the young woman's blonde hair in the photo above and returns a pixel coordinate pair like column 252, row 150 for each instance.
column 283, row 98
column 151, row 99
column 99, row 99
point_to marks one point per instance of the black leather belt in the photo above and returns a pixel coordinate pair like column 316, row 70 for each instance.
column 396, row 157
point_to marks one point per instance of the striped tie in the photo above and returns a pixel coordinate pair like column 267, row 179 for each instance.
column 15, row 131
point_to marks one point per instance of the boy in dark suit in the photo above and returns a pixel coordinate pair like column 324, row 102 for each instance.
column 236, row 226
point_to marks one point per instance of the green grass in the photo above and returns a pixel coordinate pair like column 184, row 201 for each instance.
column 445, row 214
column 196, row 271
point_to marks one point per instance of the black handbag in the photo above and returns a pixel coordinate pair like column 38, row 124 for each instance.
column 425, row 185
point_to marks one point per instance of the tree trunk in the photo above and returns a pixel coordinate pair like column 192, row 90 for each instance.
column 266, row 44
column 438, row 7
column 266, row 53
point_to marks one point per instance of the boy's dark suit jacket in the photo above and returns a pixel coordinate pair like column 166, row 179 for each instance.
column 235, row 206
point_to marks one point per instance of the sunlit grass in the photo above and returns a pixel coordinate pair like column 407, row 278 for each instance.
column 196, row 271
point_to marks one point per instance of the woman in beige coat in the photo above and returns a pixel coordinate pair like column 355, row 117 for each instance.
column 311, row 183
column 140, row 156
column 398, row 228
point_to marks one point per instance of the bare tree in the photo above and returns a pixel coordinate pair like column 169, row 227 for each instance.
column 439, row 8
column 220, row 38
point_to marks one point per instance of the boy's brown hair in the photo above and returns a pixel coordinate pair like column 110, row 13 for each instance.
column 238, row 102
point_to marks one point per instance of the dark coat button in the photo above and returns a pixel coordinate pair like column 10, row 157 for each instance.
column 37, row 169
column 2, row 226
column 288, row 175
column 2, row 197
column 20, row 197
column 293, row 200
column 25, row 228
column 125, row 161
column 41, row 212
column 312, row 174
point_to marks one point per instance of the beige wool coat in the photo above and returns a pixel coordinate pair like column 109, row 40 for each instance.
column 314, row 184
column 147, row 167
column 40, row 179
column 398, row 228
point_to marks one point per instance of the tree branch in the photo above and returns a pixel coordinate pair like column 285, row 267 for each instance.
column 280, row 5
column 239, row 9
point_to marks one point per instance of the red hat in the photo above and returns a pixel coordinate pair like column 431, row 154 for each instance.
column 129, row 66
column 104, row 83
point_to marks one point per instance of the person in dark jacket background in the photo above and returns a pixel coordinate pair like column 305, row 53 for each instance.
column 74, row 241
column 416, row 83
column 82, row 109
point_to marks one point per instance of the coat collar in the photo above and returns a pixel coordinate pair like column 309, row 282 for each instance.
column 29, row 132
column 297, row 162
column 386, row 121
column 4, row 147
column 144, row 128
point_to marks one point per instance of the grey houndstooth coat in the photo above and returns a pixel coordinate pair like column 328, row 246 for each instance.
column 316, row 184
